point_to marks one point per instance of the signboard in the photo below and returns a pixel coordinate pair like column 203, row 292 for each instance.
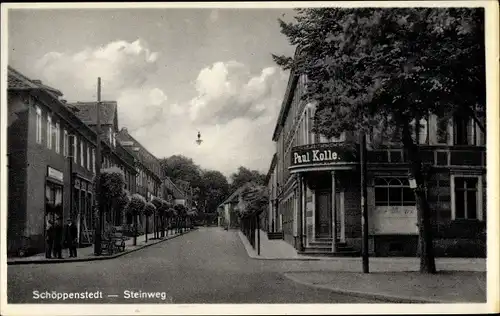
column 55, row 174
column 127, row 143
column 394, row 220
column 322, row 154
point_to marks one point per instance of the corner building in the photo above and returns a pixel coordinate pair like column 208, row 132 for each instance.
column 316, row 194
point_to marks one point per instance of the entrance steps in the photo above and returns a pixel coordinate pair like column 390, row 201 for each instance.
column 323, row 247
column 274, row 235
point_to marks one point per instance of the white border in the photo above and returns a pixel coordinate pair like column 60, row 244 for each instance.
column 492, row 36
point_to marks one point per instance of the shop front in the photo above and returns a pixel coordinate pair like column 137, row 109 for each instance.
column 326, row 206
column 54, row 185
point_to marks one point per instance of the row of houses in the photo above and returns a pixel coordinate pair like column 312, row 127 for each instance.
column 51, row 149
column 315, row 193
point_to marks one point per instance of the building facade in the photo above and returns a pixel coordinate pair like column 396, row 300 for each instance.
column 113, row 154
column 315, row 185
column 49, row 175
column 52, row 164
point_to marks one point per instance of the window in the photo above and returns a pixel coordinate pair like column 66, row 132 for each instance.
column 110, row 136
column 82, row 156
column 465, row 131
column 65, row 143
column 466, row 197
column 58, row 138
column 423, row 131
column 88, row 157
column 38, row 125
column 442, row 130
column 75, row 149
column 93, row 160
column 393, row 192
column 49, row 131
column 114, row 139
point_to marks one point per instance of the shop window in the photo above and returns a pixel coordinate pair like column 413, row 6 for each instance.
column 466, row 198
column 53, row 203
column 393, row 192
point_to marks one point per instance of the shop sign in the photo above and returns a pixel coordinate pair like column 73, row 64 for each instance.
column 321, row 154
column 55, row 174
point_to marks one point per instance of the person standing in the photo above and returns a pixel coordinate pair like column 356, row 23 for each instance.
column 71, row 238
column 49, row 239
column 58, row 236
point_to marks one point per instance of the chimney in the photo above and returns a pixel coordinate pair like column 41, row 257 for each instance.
column 63, row 101
column 124, row 129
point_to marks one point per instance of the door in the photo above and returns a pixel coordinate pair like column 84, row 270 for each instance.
column 323, row 214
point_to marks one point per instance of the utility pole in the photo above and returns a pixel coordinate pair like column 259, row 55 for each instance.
column 364, row 208
column 98, row 231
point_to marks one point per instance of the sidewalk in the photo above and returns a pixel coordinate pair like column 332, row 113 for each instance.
column 87, row 253
column 401, row 287
column 391, row 279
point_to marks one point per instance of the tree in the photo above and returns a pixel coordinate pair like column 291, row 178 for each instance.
column 214, row 188
column 180, row 167
column 390, row 67
column 245, row 175
column 149, row 210
column 181, row 216
column 112, row 181
column 135, row 208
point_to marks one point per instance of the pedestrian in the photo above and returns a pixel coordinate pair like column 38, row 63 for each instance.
column 58, row 236
column 49, row 239
column 71, row 238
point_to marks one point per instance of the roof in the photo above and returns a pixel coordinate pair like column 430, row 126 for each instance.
column 17, row 81
column 274, row 160
column 177, row 193
column 287, row 101
column 87, row 112
column 233, row 197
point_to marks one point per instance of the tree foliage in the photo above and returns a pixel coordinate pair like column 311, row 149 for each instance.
column 149, row 209
column 137, row 204
column 366, row 66
column 254, row 200
column 112, row 185
column 244, row 175
column 180, row 167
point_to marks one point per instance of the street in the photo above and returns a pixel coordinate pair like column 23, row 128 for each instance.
column 208, row 265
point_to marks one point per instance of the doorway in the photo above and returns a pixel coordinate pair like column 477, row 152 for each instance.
column 323, row 214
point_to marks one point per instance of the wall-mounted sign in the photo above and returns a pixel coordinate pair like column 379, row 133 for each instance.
column 55, row 174
column 322, row 154
column 127, row 143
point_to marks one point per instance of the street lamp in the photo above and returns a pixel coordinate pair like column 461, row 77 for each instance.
column 199, row 140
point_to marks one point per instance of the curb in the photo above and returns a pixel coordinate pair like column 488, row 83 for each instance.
column 381, row 297
column 255, row 257
column 48, row 261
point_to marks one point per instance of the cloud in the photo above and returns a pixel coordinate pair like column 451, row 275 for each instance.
column 120, row 65
column 235, row 109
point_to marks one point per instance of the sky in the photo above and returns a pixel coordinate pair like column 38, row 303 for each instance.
column 173, row 72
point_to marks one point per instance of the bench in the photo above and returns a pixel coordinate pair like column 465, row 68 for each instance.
column 113, row 241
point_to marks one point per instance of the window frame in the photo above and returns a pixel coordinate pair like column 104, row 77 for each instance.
column 38, row 125
column 75, row 149
column 479, row 197
column 58, row 138
column 403, row 184
column 49, row 131
column 82, row 154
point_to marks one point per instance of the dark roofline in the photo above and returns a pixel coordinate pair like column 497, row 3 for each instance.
column 235, row 193
column 287, row 99
column 274, row 161
column 135, row 140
